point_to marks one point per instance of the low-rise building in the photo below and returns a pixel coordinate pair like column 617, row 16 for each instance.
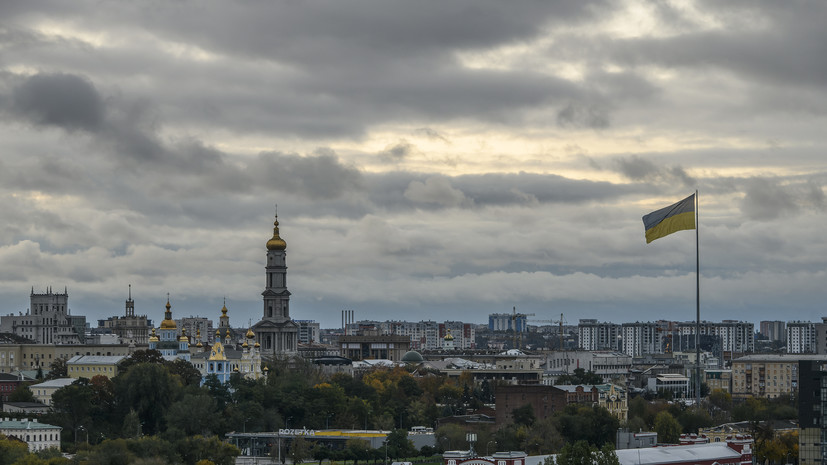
column 718, row 380
column 614, row 399
column 677, row 384
column 26, row 408
column 368, row 347
column 38, row 436
column 43, row 391
column 544, row 400
column 88, row 366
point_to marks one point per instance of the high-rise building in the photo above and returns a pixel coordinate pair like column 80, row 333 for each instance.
column 308, row 331
column 812, row 408
column 507, row 322
column 48, row 320
column 130, row 328
column 773, row 330
column 735, row 337
column 801, row 337
column 276, row 332
column 640, row 338
column 594, row 335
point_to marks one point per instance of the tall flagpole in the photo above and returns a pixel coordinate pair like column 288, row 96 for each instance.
column 697, row 306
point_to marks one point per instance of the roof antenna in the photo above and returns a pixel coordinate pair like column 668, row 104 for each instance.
column 130, row 292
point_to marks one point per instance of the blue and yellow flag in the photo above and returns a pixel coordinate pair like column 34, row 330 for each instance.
column 675, row 217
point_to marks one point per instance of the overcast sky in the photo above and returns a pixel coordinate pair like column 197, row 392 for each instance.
column 430, row 159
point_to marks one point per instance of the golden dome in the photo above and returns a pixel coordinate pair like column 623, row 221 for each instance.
column 224, row 308
column 250, row 334
column 228, row 333
column 153, row 338
column 183, row 337
column 276, row 242
column 244, row 345
column 257, row 345
column 168, row 322
column 448, row 337
column 199, row 344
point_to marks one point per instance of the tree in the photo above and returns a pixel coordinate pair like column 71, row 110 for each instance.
column 399, row 445
column 131, row 427
column 667, row 427
column 58, row 369
column 22, row 394
column 195, row 448
column 11, row 450
column 450, row 436
column 194, row 414
column 189, row 375
column 606, row 456
column 543, row 438
column 72, row 405
column 524, row 415
column 578, row 453
column 594, row 424
column 299, row 450
column 580, row 376
column 149, row 390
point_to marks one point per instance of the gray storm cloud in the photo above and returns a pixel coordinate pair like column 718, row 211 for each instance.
column 64, row 100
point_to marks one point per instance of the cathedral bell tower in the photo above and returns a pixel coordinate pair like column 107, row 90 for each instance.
column 276, row 295
column 276, row 332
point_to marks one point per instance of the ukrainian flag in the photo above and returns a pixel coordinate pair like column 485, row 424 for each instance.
column 673, row 218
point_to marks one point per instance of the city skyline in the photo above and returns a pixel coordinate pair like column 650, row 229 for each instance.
column 451, row 159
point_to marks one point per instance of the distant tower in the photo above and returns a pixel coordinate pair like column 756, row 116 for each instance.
column 448, row 341
column 224, row 320
column 130, row 304
column 168, row 337
column 277, row 333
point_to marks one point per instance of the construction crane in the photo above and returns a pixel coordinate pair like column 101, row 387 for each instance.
column 514, row 325
column 670, row 331
column 561, row 321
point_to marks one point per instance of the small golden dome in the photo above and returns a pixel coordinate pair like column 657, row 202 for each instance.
column 244, row 345
column 266, row 368
column 183, row 337
column 224, row 308
column 199, row 344
column 217, row 333
column 276, row 242
column 448, row 337
column 228, row 333
column 168, row 322
column 153, row 338
column 250, row 334
column 257, row 345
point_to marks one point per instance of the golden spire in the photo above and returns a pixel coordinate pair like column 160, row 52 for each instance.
column 224, row 308
column 276, row 242
column 168, row 322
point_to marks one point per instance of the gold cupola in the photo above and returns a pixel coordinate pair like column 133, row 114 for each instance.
column 168, row 322
column 153, row 338
column 250, row 334
column 276, row 242
column 183, row 337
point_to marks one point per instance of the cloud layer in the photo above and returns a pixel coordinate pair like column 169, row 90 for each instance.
column 439, row 160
